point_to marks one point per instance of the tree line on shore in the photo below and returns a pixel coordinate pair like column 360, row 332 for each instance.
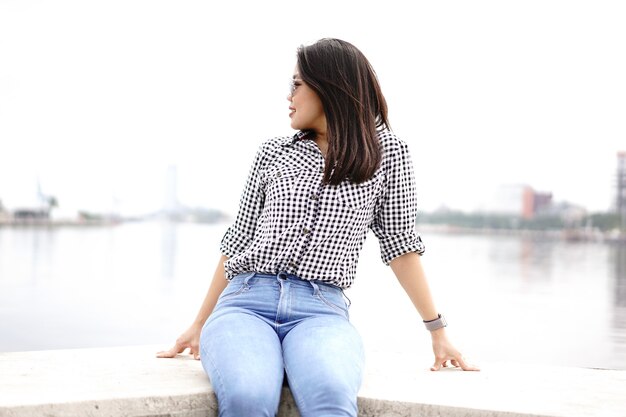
column 604, row 222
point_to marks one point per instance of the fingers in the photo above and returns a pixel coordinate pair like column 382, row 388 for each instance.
column 464, row 365
column 178, row 348
column 456, row 362
column 439, row 362
column 194, row 350
column 168, row 353
column 172, row 353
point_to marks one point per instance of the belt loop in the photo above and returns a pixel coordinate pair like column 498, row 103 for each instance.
column 316, row 288
column 281, row 277
column 246, row 279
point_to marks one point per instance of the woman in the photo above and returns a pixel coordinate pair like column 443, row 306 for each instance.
column 307, row 206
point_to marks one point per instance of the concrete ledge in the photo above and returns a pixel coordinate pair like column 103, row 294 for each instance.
column 130, row 381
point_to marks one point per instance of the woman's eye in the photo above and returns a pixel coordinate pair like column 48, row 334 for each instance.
column 294, row 85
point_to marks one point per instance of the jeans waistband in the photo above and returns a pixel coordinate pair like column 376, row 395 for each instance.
column 285, row 276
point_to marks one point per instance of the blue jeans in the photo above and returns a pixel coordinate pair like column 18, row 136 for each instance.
column 265, row 326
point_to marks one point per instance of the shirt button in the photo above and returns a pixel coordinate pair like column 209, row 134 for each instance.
column 278, row 174
column 314, row 197
column 306, row 231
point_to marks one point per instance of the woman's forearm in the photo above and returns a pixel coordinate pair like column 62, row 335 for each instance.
column 408, row 269
column 218, row 283
column 409, row 272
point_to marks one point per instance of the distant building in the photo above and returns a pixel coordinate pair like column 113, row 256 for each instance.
column 620, row 195
column 539, row 203
column 31, row 205
column 31, row 214
column 4, row 214
column 571, row 214
column 519, row 200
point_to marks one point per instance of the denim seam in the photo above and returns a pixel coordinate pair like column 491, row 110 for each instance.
column 217, row 373
column 279, row 304
column 343, row 293
column 294, row 389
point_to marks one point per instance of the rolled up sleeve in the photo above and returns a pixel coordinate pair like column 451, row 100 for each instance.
column 395, row 219
column 241, row 233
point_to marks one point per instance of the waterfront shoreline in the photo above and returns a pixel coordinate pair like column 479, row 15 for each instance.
column 39, row 223
column 570, row 235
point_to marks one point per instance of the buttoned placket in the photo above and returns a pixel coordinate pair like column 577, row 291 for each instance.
column 313, row 206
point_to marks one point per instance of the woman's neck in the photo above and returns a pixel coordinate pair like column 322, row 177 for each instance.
column 322, row 143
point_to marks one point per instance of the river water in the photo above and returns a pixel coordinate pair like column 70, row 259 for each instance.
column 506, row 298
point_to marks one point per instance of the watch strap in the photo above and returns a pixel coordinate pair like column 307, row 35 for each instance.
column 435, row 324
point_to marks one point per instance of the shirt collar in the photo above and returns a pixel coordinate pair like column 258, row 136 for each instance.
column 298, row 136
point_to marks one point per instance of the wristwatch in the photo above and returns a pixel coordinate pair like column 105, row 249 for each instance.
column 435, row 324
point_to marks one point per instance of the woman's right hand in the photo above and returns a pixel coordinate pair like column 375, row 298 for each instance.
column 189, row 339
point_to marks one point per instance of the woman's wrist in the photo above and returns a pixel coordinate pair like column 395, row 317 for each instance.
column 198, row 323
column 438, row 334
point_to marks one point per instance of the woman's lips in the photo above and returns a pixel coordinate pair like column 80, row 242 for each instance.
column 291, row 111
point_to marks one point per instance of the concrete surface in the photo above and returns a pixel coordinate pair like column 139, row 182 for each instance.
column 131, row 381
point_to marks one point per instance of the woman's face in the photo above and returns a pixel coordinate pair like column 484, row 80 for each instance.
column 305, row 107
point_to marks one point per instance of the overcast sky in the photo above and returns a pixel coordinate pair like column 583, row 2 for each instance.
column 97, row 99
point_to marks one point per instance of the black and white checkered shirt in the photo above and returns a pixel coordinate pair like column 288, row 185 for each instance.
column 290, row 221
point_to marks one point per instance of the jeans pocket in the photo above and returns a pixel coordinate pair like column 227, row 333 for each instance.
column 235, row 287
column 334, row 300
column 238, row 289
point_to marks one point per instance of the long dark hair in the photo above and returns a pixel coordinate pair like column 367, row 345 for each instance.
column 353, row 104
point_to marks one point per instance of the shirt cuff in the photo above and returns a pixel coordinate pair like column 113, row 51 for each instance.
column 397, row 245
column 233, row 242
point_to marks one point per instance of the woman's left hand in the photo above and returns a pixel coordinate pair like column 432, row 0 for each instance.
column 444, row 352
